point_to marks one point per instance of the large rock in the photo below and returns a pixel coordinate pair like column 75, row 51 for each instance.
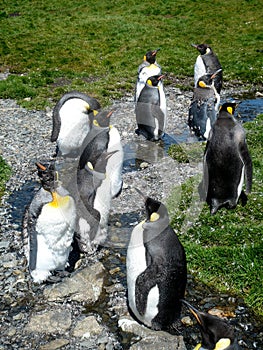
column 84, row 286
column 151, row 339
column 56, row 320
column 87, row 327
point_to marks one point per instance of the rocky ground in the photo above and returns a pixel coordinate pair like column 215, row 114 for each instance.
column 88, row 310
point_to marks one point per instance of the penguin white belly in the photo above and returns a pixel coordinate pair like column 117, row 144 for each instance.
column 199, row 69
column 240, row 185
column 207, row 128
column 102, row 201
column 156, row 129
column 74, row 125
column 135, row 265
column 144, row 74
column 115, row 162
column 55, row 229
column 163, row 103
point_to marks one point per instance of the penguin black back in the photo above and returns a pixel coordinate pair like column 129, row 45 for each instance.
column 216, row 333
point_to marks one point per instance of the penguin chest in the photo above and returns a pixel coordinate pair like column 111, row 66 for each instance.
column 74, row 128
column 102, row 200
column 136, row 265
column 199, row 69
column 55, row 228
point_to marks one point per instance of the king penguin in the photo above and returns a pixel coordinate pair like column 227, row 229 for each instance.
column 71, row 122
column 50, row 224
column 207, row 62
column 216, row 333
column 204, row 106
column 150, row 110
column 226, row 163
column 156, row 269
column 146, row 69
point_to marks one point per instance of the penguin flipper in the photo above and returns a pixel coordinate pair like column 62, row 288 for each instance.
column 248, row 166
column 144, row 283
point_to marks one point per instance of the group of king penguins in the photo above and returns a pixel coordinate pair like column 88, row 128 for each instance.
column 69, row 213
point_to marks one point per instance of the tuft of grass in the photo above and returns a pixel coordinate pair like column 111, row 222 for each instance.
column 5, row 173
column 97, row 47
column 225, row 250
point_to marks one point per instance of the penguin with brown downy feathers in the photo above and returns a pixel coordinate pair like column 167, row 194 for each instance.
column 226, row 163
column 216, row 333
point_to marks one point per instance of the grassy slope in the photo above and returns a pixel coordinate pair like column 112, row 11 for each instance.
column 96, row 47
column 226, row 250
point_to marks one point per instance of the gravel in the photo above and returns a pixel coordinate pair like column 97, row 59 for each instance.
column 25, row 139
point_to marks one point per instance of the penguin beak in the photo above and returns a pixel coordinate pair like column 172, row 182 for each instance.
column 109, row 154
column 155, row 52
column 194, row 45
column 214, row 75
column 40, row 166
column 161, row 77
column 193, row 310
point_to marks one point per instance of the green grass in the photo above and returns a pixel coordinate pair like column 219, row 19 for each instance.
column 226, row 250
column 5, row 173
column 55, row 46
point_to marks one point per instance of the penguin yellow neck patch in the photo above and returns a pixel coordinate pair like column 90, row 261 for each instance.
column 154, row 217
column 58, row 201
column 230, row 110
column 222, row 344
column 95, row 122
column 149, row 82
column 198, row 346
column 202, row 84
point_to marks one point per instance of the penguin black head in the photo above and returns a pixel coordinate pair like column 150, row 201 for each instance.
column 101, row 119
column 203, row 48
column 154, row 79
column 228, row 107
column 99, row 169
column 207, row 79
column 47, row 175
column 154, row 208
column 216, row 333
column 151, row 56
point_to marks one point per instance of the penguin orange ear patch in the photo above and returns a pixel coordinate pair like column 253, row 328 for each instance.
column 154, row 217
column 90, row 166
column 95, row 122
column 230, row 110
column 198, row 346
column 222, row 344
column 202, row 84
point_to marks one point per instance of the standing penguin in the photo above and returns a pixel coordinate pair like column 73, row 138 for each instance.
column 156, row 269
column 226, row 162
column 71, row 122
column 150, row 114
column 207, row 62
column 204, row 106
column 146, row 69
column 216, row 333
column 49, row 224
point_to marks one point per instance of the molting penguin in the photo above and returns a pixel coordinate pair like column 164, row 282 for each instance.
column 49, row 224
column 204, row 106
column 71, row 122
column 207, row 62
column 146, row 69
column 216, row 333
column 150, row 114
column 156, row 269
column 226, row 162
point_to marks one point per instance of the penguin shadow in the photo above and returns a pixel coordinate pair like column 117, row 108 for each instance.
column 20, row 200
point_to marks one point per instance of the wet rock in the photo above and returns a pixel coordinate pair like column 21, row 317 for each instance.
column 56, row 320
column 160, row 339
column 87, row 327
column 84, row 286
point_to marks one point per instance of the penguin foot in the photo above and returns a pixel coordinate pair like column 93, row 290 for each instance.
column 243, row 198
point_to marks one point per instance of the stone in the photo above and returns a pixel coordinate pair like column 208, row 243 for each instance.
column 54, row 344
column 84, row 286
column 159, row 340
column 87, row 327
column 53, row 321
